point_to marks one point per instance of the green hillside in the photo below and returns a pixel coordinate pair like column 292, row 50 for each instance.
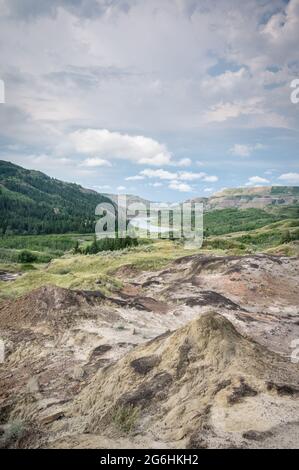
column 220, row 222
column 33, row 203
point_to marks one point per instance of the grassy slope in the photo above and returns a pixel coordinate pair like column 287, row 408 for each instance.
column 46, row 247
column 84, row 272
column 221, row 222
column 98, row 272
column 266, row 239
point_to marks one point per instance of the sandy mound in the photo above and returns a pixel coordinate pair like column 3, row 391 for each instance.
column 250, row 279
column 203, row 385
column 47, row 303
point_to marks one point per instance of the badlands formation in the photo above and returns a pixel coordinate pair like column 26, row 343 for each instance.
column 197, row 355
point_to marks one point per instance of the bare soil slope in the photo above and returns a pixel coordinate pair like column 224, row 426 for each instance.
column 204, row 385
column 197, row 354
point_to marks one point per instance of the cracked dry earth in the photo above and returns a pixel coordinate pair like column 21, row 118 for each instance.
column 194, row 356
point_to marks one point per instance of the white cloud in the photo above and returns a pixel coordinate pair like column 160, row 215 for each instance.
column 240, row 150
column 224, row 82
column 282, row 27
column 256, row 180
column 291, row 178
column 181, row 187
column 243, row 150
column 184, row 162
column 94, row 162
column 113, row 145
column 178, row 179
column 178, row 176
column 121, row 188
column 208, row 190
column 156, row 184
column 222, row 111
column 161, row 174
column 190, row 176
column 210, row 179
column 135, row 178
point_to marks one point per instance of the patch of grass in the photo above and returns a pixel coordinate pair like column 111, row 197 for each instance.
column 120, row 327
column 85, row 271
column 8, row 256
column 289, row 249
column 259, row 240
column 150, row 264
column 27, row 267
column 125, row 418
column 44, row 248
column 40, row 242
column 14, row 432
column 63, row 271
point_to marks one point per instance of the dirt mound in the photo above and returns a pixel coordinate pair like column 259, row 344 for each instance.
column 202, row 264
column 179, row 388
column 45, row 303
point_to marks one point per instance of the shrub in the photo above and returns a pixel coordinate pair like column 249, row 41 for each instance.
column 14, row 432
column 295, row 235
column 286, row 237
column 109, row 244
column 125, row 417
column 26, row 256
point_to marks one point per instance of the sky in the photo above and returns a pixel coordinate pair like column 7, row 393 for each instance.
column 166, row 99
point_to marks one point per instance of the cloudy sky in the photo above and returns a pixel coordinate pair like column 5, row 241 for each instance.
column 167, row 99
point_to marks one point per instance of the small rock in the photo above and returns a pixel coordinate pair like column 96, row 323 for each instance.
column 51, row 418
column 78, row 373
column 33, row 385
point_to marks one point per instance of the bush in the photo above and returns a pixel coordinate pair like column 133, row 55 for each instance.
column 109, row 244
column 26, row 257
column 223, row 244
column 295, row 235
column 12, row 435
column 286, row 237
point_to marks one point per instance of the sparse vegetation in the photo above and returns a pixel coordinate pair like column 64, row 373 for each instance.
column 108, row 244
column 13, row 433
column 125, row 418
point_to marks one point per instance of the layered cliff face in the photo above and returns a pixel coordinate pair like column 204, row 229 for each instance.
column 245, row 198
column 194, row 355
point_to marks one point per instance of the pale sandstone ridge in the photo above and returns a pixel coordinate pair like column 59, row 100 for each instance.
column 245, row 198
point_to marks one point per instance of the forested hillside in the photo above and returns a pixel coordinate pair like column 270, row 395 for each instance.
column 33, row 203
